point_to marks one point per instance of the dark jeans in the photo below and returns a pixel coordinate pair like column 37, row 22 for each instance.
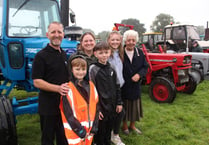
column 117, row 121
column 103, row 136
column 51, row 127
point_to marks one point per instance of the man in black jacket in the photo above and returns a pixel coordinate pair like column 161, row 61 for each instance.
column 49, row 74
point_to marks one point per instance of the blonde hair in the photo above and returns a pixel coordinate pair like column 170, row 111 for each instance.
column 120, row 48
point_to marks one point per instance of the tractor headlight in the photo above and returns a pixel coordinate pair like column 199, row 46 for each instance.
column 16, row 56
column 174, row 59
column 187, row 59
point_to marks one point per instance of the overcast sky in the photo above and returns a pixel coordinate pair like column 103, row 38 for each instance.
column 100, row 15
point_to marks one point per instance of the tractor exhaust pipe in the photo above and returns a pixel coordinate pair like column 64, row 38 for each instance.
column 206, row 33
column 65, row 12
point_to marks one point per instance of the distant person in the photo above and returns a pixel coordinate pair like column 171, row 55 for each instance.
column 79, row 107
column 50, row 75
column 105, row 79
column 78, row 46
column 196, row 47
column 151, row 43
column 114, row 40
column 134, row 69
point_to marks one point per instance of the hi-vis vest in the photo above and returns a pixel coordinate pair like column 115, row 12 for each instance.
column 83, row 112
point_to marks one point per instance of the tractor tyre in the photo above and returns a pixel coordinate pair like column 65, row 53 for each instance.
column 190, row 86
column 8, row 134
column 197, row 74
column 162, row 90
column 3, row 125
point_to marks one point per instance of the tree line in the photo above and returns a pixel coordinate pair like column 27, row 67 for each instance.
column 157, row 25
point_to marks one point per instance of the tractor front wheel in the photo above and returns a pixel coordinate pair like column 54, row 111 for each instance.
column 8, row 134
column 197, row 75
column 162, row 90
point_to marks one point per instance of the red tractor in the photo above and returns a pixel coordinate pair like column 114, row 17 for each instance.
column 167, row 74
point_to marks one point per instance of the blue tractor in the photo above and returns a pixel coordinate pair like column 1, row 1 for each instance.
column 23, row 26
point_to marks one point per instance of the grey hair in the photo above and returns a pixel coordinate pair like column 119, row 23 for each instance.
column 130, row 33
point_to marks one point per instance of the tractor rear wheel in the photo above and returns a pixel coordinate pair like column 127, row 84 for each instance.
column 162, row 90
column 190, row 86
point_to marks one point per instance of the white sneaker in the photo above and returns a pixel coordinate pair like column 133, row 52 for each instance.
column 116, row 140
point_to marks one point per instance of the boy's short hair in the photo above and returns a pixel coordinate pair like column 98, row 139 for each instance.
column 101, row 46
column 78, row 61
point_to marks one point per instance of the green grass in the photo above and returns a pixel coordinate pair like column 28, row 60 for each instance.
column 184, row 122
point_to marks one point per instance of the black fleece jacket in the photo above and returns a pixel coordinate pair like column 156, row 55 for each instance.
column 104, row 77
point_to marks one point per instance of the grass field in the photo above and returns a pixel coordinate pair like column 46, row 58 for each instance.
column 184, row 122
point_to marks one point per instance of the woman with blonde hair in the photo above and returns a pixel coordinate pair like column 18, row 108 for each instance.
column 114, row 40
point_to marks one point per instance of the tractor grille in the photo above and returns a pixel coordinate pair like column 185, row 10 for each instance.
column 183, row 76
column 187, row 60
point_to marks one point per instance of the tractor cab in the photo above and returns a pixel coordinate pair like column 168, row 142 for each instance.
column 23, row 27
column 23, row 30
column 150, row 40
column 178, row 37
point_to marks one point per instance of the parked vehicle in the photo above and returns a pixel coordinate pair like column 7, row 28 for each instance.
column 167, row 74
column 23, row 26
column 178, row 38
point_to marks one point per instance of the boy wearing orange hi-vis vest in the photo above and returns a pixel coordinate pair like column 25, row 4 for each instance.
column 79, row 107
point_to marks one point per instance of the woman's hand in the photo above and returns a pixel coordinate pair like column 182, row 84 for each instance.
column 136, row 78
